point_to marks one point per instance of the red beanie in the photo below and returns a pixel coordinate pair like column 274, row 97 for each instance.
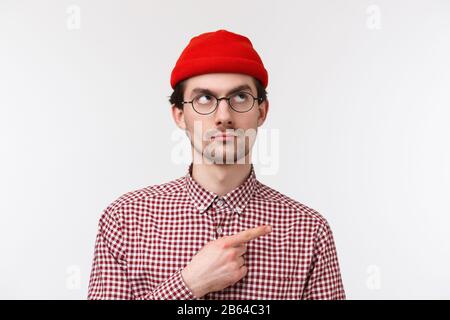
column 219, row 51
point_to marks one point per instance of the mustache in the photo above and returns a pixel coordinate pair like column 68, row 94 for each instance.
column 217, row 132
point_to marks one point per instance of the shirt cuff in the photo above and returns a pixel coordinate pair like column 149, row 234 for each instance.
column 174, row 288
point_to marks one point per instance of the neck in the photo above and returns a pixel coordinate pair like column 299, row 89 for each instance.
column 220, row 178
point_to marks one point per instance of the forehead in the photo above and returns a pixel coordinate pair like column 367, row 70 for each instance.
column 220, row 83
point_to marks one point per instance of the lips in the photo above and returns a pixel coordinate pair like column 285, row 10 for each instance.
column 228, row 134
column 223, row 136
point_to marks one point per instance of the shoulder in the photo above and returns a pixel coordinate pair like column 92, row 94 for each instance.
column 293, row 208
column 139, row 197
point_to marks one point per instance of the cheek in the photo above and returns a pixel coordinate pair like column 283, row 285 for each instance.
column 250, row 122
column 196, row 127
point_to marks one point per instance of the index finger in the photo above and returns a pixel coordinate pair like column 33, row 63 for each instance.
column 248, row 235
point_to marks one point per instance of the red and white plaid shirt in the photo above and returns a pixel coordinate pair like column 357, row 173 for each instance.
column 147, row 236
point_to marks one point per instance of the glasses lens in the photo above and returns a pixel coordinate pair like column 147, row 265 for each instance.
column 241, row 101
column 204, row 103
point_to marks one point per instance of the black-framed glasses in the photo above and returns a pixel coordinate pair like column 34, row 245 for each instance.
column 240, row 102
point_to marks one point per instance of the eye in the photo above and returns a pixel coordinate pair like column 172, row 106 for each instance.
column 240, row 97
column 204, row 99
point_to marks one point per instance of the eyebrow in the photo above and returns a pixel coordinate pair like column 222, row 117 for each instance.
column 207, row 91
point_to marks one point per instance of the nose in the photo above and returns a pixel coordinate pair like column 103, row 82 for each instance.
column 223, row 115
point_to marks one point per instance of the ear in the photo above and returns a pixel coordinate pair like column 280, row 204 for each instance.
column 178, row 117
column 263, row 110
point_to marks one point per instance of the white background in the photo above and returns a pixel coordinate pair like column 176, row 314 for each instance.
column 359, row 92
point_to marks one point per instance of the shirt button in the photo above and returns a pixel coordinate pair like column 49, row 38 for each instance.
column 219, row 230
column 238, row 210
column 220, row 202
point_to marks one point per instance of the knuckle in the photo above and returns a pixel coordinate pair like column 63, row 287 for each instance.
column 234, row 265
column 238, row 275
column 231, row 255
column 237, row 252
column 242, row 272
column 223, row 243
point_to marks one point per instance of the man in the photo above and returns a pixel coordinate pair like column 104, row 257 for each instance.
column 217, row 232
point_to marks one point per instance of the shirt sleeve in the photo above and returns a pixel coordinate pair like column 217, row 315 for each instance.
column 324, row 280
column 108, row 279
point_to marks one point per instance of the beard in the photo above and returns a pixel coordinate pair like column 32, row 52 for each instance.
column 219, row 151
column 224, row 152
